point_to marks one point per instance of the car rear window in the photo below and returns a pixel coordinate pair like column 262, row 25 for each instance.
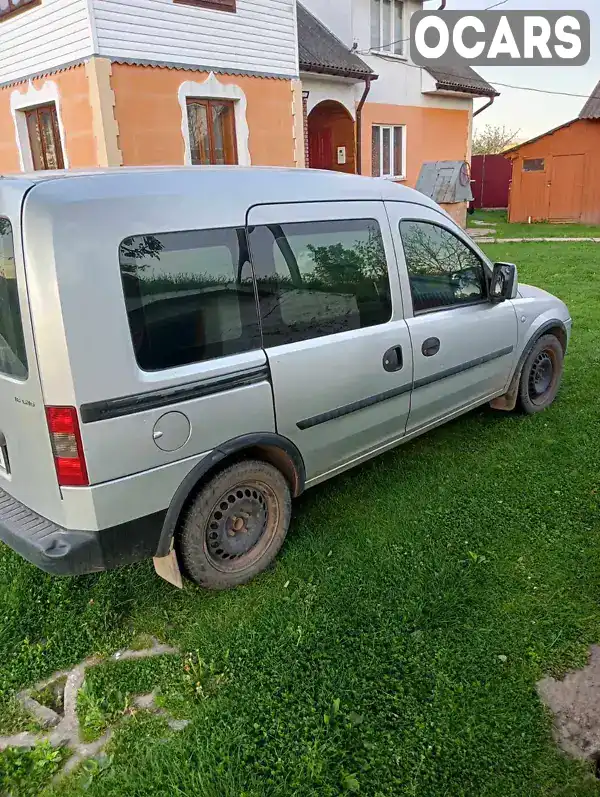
column 189, row 296
column 13, row 358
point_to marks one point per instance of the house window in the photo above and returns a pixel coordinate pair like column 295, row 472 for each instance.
column 389, row 151
column 44, row 137
column 8, row 7
column 211, row 126
column 215, row 5
column 533, row 165
column 387, row 26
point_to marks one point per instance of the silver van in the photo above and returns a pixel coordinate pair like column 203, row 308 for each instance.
column 184, row 350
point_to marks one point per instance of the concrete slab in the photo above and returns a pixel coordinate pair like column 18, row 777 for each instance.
column 62, row 730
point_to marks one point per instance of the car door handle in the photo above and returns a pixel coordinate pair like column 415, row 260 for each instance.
column 430, row 347
column 393, row 360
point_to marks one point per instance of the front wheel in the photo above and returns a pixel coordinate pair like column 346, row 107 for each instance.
column 236, row 525
column 541, row 375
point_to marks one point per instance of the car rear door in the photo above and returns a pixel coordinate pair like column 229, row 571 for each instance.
column 464, row 347
column 27, row 470
column 333, row 328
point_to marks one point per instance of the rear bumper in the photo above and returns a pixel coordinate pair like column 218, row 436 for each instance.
column 70, row 552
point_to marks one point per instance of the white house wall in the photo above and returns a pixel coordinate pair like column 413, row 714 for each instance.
column 259, row 38
column 337, row 15
column 322, row 88
column 52, row 34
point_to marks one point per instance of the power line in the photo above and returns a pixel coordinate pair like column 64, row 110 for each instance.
column 453, row 75
column 492, row 82
column 545, row 91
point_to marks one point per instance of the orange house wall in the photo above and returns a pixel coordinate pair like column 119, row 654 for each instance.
column 149, row 115
column 529, row 191
column 76, row 114
column 432, row 134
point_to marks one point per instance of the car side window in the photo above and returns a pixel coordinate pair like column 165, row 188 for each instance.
column 318, row 278
column 189, row 296
column 443, row 271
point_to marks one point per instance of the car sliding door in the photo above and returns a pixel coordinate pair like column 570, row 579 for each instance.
column 333, row 328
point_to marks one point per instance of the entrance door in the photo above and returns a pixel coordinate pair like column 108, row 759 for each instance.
column 321, row 149
column 566, row 187
column 333, row 328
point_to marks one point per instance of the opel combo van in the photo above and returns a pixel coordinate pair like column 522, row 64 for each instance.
column 184, row 350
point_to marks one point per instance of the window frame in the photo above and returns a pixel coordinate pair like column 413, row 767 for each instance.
column 229, row 6
column 392, row 128
column 208, row 102
column 446, row 308
column 391, row 50
column 534, row 160
column 36, row 110
column 14, row 10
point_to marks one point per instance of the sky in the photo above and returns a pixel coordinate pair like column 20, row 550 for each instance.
column 526, row 111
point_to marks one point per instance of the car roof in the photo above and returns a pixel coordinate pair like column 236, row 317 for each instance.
column 263, row 184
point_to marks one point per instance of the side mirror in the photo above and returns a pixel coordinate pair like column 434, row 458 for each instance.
column 504, row 282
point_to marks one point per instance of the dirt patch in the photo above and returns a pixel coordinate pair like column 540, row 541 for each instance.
column 575, row 703
column 52, row 695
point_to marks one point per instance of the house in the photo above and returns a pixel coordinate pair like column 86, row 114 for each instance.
column 360, row 83
column 556, row 176
column 135, row 82
column 267, row 82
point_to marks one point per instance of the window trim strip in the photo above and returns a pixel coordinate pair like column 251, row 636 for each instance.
column 355, row 406
column 165, row 397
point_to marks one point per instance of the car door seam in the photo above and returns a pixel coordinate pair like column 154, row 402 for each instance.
column 378, row 398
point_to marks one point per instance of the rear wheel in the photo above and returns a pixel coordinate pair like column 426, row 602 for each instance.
column 541, row 375
column 236, row 525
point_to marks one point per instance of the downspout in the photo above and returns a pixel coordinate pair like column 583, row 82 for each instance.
column 443, row 6
column 484, row 107
column 359, row 109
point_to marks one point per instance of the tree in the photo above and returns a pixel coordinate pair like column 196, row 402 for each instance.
column 493, row 140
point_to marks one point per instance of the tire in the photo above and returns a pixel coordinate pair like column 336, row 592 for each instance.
column 541, row 375
column 235, row 526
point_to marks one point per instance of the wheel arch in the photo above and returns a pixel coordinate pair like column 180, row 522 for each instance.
column 553, row 326
column 266, row 446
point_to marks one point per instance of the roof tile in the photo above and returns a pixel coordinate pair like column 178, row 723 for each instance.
column 462, row 78
column 591, row 110
column 321, row 51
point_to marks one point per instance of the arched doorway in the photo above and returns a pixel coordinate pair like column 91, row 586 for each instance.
column 331, row 138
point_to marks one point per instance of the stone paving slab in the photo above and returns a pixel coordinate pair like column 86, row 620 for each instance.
column 62, row 729
column 535, row 240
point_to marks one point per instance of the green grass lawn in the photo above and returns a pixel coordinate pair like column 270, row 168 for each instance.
column 506, row 230
column 395, row 646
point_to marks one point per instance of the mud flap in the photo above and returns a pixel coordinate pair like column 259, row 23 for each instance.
column 167, row 567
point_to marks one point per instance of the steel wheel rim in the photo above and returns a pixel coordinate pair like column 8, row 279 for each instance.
column 241, row 525
column 542, row 376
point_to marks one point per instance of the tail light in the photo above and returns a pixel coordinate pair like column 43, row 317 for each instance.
column 65, row 437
